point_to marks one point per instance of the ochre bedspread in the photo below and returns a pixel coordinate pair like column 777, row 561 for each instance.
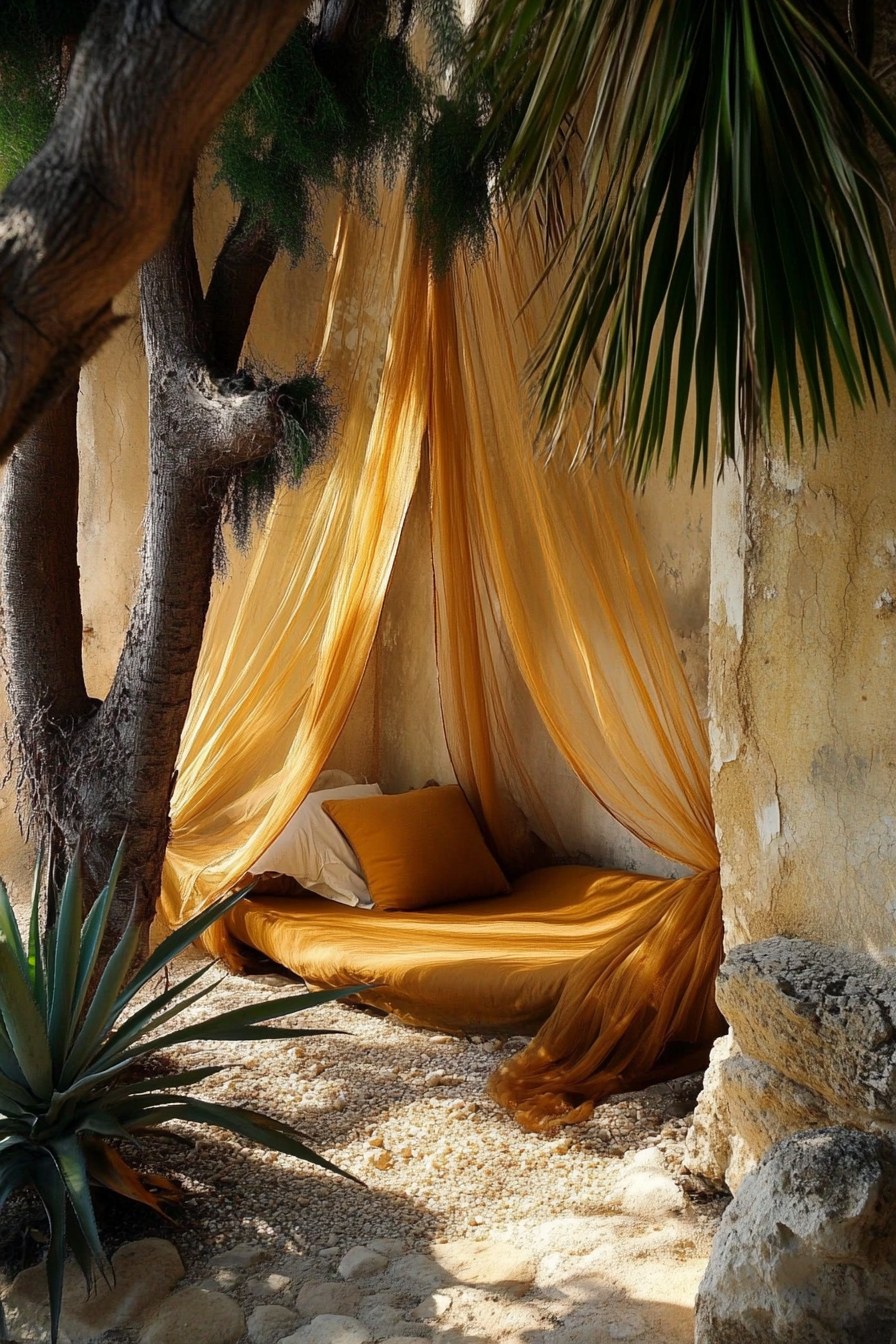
column 504, row 965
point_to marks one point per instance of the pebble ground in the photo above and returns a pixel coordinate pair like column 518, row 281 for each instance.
column 405, row 1111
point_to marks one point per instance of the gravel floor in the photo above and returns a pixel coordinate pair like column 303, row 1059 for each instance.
column 405, row 1111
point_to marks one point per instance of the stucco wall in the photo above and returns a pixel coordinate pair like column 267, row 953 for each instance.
column 803, row 697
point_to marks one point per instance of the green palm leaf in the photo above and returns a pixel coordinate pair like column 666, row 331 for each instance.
column 102, row 1012
column 768, row 277
column 69, row 920
column 93, row 931
column 25, row 1028
column 178, row 942
column 251, row 1125
column 50, row 1186
column 35, row 951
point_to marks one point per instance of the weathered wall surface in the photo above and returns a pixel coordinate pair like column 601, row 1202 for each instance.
column 802, row 690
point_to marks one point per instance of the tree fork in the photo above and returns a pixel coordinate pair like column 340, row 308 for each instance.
column 101, row 195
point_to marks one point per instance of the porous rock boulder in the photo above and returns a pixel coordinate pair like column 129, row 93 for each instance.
column 822, row 1016
column 813, row 1044
column 806, row 1250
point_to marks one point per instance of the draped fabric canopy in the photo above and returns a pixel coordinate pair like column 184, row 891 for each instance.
column 540, row 572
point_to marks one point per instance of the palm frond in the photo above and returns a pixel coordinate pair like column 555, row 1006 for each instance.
column 729, row 247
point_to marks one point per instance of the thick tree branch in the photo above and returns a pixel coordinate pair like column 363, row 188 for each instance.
column 137, row 731
column 209, row 424
column 39, row 571
column 149, row 82
column 175, row 328
column 243, row 262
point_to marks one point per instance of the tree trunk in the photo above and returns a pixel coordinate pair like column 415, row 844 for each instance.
column 93, row 769
column 41, row 597
column 148, row 84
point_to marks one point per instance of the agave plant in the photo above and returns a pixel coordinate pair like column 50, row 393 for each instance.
column 70, row 1063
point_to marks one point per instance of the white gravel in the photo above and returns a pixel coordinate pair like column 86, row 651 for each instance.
column 405, row 1111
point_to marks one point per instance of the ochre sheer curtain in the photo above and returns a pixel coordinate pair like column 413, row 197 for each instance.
column 540, row 573
column 289, row 633
column 551, row 562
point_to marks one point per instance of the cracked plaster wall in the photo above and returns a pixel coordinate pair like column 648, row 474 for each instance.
column 802, row 695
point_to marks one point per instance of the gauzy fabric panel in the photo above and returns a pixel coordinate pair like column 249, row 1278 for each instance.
column 549, row 563
column 290, row 630
column 542, row 581
column 313, row 850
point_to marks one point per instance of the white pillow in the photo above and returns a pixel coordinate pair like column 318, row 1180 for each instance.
column 312, row 849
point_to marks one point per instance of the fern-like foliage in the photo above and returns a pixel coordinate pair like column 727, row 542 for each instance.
column 305, row 125
column 308, row 414
column 324, row 115
column 36, row 38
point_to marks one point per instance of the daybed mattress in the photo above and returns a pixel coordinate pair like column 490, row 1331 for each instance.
column 498, row 964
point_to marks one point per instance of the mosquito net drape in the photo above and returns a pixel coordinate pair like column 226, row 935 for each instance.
column 551, row 563
column 541, row 573
column 289, row 633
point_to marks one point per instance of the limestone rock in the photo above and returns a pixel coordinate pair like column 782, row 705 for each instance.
column 380, row 1312
column 821, row 1016
column 407, row 1339
column 327, row 1299
column 360, row 1263
column 390, row 1247
column 646, row 1190
column 765, row 1107
column 268, row 1286
column 707, row 1149
column 195, row 1316
column 432, row 1307
column 224, row 1280
column 144, row 1272
column 494, row 1264
column 806, row 1249
column 418, row 1274
column 330, row 1329
column 244, row 1256
column 644, row 1193
column 268, row 1324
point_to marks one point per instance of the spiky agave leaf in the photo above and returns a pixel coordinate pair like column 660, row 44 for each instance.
column 728, row 239
column 69, row 1064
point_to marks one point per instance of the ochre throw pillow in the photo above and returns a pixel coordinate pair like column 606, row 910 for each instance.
column 418, row 849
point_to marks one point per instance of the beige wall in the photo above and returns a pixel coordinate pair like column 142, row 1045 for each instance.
column 803, row 692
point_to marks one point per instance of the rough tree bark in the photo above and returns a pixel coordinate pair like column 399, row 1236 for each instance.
column 148, row 84
column 91, row 769
column 96, row 202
